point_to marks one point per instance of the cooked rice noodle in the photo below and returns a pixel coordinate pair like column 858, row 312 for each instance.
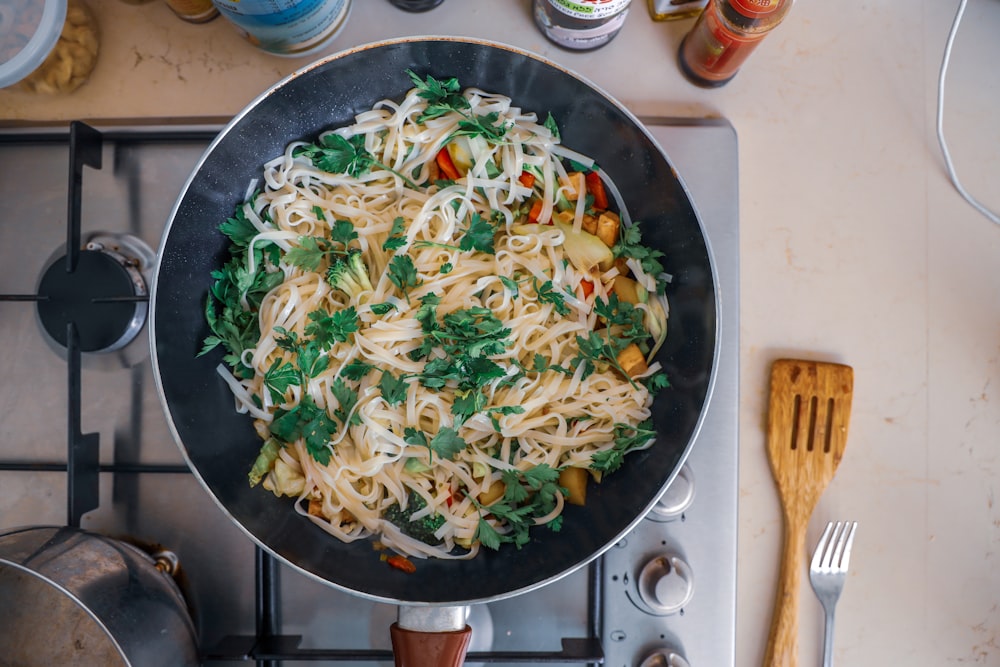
column 567, row 417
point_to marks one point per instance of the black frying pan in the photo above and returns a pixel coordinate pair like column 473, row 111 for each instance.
column 220, row 445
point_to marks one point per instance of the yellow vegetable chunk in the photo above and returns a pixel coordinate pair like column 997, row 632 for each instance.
column 574, row 480
column 574, row 184
column 492, row 494
column 608, row 224
column 629, row 290
column 632, row 361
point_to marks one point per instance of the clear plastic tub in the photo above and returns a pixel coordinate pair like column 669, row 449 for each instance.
column 47, row 47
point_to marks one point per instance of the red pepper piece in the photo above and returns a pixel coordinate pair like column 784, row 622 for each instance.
column 446, row 166
column 401, row 563
column 595, row 187
column 587, row 287
column 536, row 210
column 527, row 179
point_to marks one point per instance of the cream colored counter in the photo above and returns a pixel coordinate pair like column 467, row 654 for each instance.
column 855, row 248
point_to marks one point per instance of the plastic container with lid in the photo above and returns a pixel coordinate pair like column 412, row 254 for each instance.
column 47, row 47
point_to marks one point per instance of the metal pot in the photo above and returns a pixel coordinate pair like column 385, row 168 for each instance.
column 72, row 597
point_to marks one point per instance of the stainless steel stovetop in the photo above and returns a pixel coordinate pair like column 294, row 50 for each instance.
column 665, row 595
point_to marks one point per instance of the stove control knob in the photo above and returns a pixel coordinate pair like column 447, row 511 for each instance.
column 675, row 500
column 664, row 658
column 666, row 584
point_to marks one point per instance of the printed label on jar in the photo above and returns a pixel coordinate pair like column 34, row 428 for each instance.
column 286, row 27
column 754, row 8
column 590, row 9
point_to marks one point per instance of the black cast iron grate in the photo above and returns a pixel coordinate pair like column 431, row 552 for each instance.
column 268, row 647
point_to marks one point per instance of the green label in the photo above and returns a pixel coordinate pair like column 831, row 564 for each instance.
column 574, row 6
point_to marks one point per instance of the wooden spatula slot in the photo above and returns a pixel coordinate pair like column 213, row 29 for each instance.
column 810, row 408
column 819, row 422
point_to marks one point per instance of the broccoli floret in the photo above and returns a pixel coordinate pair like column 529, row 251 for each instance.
column 422, row 529
column 349, row 275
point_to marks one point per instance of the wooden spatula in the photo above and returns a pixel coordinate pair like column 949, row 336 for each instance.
column 810, row 408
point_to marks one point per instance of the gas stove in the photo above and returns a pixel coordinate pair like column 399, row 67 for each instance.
column 83, row 440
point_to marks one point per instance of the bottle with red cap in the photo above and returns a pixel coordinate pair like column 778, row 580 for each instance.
column 724, row 36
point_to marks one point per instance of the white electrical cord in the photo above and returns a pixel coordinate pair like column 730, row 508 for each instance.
column 940, row 119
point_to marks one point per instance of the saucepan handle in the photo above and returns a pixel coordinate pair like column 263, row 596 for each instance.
column 430, row 636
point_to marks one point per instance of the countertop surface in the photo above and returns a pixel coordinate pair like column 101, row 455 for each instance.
column 854, row 248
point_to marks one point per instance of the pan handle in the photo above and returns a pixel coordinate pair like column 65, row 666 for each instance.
column 430, row 636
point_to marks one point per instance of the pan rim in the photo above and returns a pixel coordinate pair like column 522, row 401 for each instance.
column 154, row 291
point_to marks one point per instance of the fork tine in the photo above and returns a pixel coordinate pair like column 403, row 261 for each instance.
column 817, row 559
column 843, row 553
column 831, row 554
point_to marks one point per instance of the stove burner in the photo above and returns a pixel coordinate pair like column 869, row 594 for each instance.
column 105, row 297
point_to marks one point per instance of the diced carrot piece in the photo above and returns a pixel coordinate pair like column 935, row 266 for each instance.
column 595, row 187
column 527, row 179
column 536, row 210
column 446, row 165
column 401, row 563
column 587, row 287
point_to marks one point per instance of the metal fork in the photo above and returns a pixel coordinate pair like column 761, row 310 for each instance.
column 827, row 574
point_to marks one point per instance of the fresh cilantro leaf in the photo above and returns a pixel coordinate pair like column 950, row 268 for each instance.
column 347, row 398
column 356, row 369
column 437, row 372
column 627, row 438
column 447, row 267
column 546, row 293
column 286, row 340
column 550, row 124
column 447, row 443
column 657, row 381
column 393, row 388
column 489, row 126
column 308, row 254
column 382, row 308
column 343, row 156
column 528, row 495
column 328, row 328
column 540, row 363
column 623, row 315
column 500, row 410
column 311, row 359
column 479, row 236
column 397, row 235
column 630, row 245
column 427, row 313
column 537, row 477
column 239, row 229
column 318, row 212
column 515, row 491
column 279, row 377
column 467, row 403
column 415, row 437
column 487, row 534
column 403, row 273
column 442, row 96
column 309, row 422
column 343, row 232
column 511, row 285
column 337, row 155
